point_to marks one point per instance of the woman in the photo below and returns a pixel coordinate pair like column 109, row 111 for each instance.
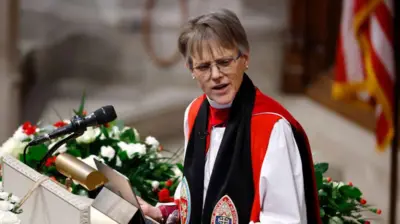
column 246, row 159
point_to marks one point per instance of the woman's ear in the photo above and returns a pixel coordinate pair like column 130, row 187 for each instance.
column 246, row 58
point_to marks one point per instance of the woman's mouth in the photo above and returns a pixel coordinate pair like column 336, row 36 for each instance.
column 220, row 88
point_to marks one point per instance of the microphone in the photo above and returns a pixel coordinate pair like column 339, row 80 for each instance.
column 79, row 124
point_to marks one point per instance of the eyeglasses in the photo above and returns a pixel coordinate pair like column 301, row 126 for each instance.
column 224, row 65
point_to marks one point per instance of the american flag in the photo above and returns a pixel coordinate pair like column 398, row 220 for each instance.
column 364, row 71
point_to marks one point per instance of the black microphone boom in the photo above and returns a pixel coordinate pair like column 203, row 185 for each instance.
column 79, row 124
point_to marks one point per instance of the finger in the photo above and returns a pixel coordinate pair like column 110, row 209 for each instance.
column 140, row 200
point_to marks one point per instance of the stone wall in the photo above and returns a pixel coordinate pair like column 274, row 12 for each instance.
column 97, row 46
column 9, row 78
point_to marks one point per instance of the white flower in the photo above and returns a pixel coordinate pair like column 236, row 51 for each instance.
column 131, row 148
column 119, row 162
column 107, row 152
column 102, row 137
column 7, row 217
column 20, row 135
column 155, row 184
column 177, row 171
column 12, row 147
column 15, row 199
column 137, row 135
column 63, row 148
column 89, row 136
column 4, row 195
column 6, row 206
column 153, row 142
column 115, row 132
column 90, row 160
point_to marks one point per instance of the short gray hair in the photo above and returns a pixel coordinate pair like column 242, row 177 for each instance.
column 222, row 26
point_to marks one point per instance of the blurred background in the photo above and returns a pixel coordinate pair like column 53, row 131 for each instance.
column 124, row 53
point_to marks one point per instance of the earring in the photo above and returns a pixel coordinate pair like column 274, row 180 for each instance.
column 193, row 77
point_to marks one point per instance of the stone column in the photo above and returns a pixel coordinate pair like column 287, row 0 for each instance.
column 9, row 77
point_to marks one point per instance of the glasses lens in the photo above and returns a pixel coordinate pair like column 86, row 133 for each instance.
column 223, row 65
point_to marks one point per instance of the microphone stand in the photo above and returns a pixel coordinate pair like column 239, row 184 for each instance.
column 80, row 130
column 56, row 146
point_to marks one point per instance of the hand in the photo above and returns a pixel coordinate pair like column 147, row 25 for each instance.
column 149, row 210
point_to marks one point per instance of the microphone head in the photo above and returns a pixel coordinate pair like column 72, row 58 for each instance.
column 105, row 114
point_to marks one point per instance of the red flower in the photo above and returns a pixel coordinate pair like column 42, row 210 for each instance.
column 107, row 125
column 26, row 125
column 163, row 196
column 168, row 183
column 59, row 124
column 84, row 113
column 160, row 148
column 351, row 184
column 366, row 222
column 50, row 161
column 328, row 179
column 363, row 201
column 28, row 128
column 378, row 211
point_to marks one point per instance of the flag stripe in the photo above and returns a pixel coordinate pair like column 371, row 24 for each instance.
column 383, row 17
column 382, row 45
column 366, row 32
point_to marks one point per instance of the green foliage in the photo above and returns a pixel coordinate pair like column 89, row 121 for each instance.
column 339, row 202
column 81, row 109
column 143, row 167
column 149, row 172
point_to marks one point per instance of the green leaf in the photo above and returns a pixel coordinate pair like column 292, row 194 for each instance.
column 334, row 193
column 322, row 193
column 335, row 220
column 346, row 207
column 81, row 105
column 104, row 131
column 75, row 152
column 321, row 167
column 322, row 212
column 37, row 152
column 123, row 156
column 350, row 191
column 128, row 136
column 319, row 179
column 180, row 166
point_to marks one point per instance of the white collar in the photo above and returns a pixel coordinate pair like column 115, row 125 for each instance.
column 217, row 105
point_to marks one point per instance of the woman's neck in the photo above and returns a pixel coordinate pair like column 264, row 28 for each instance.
column 217, row 105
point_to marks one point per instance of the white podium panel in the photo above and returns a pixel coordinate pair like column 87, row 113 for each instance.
column 50, row 203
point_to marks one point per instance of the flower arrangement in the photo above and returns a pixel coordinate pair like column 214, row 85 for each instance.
column 340, row 202
column 9, row 208
column 153, row 177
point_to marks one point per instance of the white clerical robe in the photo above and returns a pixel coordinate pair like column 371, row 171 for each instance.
column 281, row 187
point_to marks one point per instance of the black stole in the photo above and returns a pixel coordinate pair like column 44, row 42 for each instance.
column 232, row 174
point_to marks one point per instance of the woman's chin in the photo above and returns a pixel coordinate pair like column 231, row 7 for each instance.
column 223, row 100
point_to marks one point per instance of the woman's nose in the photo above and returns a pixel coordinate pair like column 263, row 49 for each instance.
column 215, row 72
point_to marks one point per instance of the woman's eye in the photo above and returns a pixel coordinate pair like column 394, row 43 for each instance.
column 203, row 67
column 225, row 62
